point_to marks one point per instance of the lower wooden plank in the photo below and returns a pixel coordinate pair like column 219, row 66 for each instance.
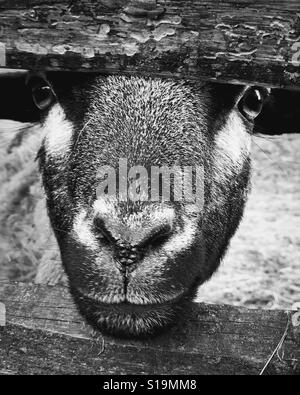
column 44, row 334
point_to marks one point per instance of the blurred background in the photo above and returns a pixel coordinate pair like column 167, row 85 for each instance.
column 262, row 266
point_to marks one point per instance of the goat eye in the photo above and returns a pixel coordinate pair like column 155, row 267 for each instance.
column 251, row 103
column 43, row 96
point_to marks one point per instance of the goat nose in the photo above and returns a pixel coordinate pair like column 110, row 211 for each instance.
column 126, row 254
column 156, row 237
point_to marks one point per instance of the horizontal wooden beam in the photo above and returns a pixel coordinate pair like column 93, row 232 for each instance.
column 44, row 334
column 248, row 41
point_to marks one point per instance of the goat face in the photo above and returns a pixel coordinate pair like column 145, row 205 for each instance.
column 133, row 265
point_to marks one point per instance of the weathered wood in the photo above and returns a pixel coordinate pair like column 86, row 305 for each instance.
column 45, row 335
column 231, row 40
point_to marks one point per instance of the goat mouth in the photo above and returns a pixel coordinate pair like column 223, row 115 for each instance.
column 127, row 320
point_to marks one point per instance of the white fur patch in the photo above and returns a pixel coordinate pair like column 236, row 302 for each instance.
column 105, row 207
column 233, row 141
column 183, row 240
column 83, row 233
column 232, row 148
column 165, row 215
column 58, row 132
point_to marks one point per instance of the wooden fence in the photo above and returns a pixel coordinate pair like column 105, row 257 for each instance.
column 237, row 40
column 43, row 334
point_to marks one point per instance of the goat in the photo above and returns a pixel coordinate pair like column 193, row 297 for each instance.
column 133, row 265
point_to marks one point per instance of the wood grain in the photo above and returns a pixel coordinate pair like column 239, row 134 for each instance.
column 44, row 334
column 237, row 40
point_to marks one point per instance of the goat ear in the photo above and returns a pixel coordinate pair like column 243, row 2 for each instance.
column 16, row 101
column 280, row 113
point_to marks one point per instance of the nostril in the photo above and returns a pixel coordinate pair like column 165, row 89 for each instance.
column 157, row 237
column 102, row 233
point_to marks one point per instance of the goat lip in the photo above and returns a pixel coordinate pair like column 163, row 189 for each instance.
column 122, row 301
